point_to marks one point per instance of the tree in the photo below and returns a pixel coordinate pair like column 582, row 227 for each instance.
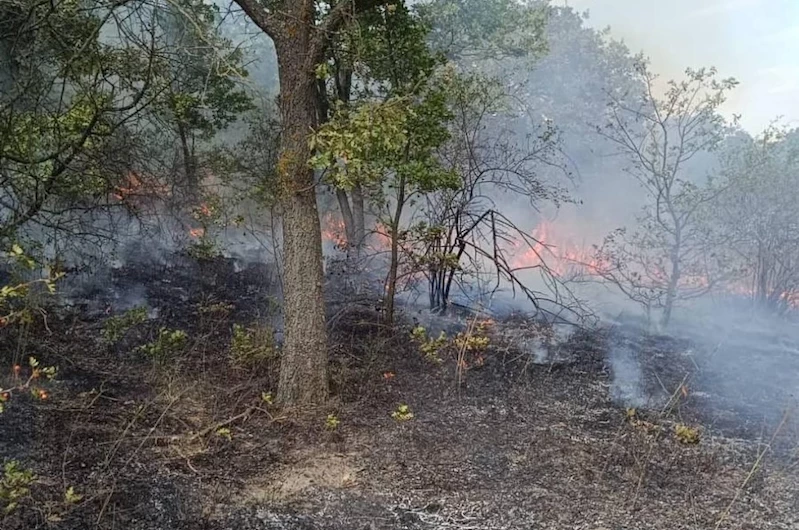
column 464, row 231
column 70, row 101
column 380, row 54
column 667, row 259
column 302, row 31
column 756, row 215
column 201, row 96
column 390, row 148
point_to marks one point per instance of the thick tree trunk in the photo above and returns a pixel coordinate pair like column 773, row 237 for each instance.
column 303, row 368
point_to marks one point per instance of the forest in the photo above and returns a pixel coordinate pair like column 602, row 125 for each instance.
column 355, row 264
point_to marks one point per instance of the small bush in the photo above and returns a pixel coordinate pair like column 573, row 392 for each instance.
column 28, row 382
column 14, row 486
column 403, row 413
column 167, row 345
column 204, row 249
column 252, row 348
column 332, row 422
column 686, row 435
column 116, row 327
column 431, row 348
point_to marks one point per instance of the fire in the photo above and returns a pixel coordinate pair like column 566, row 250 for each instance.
column 203, row 210
column 333, row 230
column 563, row 257
column 133, row 186
column 197, row 232
column 558, row 253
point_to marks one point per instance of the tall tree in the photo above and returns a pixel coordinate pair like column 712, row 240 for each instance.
column 756, row 215
column 201, row 96
column 666, row 259
column 302, row 31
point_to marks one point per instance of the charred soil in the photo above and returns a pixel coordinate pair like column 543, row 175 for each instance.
column 509, row 439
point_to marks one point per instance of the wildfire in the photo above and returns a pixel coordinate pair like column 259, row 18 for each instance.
column 333, row 230
column 197, row 232
column 559, row 253
column 133, row 186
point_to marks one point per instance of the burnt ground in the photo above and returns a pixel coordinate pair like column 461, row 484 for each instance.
column 526, row 440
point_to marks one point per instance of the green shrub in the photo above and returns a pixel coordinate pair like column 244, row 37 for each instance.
column 116, row 327
column 252, row 348
column 166, row 345
column 14, row 486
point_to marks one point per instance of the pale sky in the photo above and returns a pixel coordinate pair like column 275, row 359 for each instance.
column 755, row 41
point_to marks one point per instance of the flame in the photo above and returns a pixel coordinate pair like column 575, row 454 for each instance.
column 557, row 252
column 203, row 210
column 551, row 247
column 333, row 230
column 197, row 232
column 133, row 185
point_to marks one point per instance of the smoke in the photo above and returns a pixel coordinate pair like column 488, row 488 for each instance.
column 627, row 376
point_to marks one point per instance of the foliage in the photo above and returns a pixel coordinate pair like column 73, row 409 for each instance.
column 14, row 486
column 403, row 413
column 201, row 95
column 478, row 29
column 432, row 348
column 686, row 435
column 248, row 168
column 72, row 497
column 116, row 327
column 167, row 344
column 754, row 214
column 332, row 422
column 29, row 382
column 69, row 97
column 393, row 139
column 204, row 248
column 252, row 348
column 471, row 342
column 20, row 296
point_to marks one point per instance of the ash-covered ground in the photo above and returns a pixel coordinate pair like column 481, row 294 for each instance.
column 543, row 429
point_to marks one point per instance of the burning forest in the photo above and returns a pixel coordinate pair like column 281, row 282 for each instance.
column 440, row 264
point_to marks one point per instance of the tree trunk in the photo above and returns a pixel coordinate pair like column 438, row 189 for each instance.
column 352, row 212
column 189, row 165
column 391, row 280
column 358, row 219
column 351, row 204
column 346, row 215
column 303, row 368
column 674, row 281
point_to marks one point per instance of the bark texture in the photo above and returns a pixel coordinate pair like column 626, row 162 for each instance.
column 303, row 369
column 300, row 41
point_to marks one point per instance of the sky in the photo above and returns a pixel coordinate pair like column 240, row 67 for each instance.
column 754, row 41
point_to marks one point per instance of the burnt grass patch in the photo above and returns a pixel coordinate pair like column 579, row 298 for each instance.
column 515, row 439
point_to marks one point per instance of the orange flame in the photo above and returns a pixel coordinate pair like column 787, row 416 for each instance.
column 333, row 230
column 555, row 251
column 133, row 185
